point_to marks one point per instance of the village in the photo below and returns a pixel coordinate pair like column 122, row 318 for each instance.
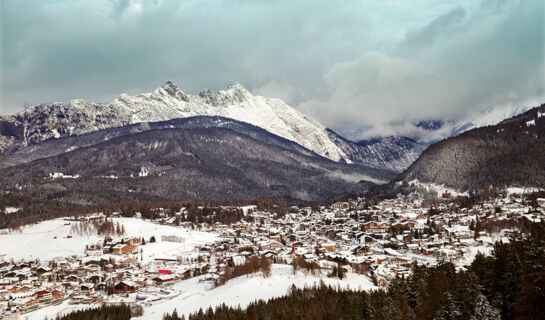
column 381, row 242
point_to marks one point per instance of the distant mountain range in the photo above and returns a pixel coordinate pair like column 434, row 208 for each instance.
column 77, row 117
column 437, row 130
column 510, row 153
column 232, row 145
column 167, row 145
column 198, row 158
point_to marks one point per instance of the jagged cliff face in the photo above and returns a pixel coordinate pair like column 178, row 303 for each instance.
column 77, row 117
column 511, row 153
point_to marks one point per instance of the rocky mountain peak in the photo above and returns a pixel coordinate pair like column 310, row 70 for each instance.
column 174, row 91
column 236, row 86
column 208, row 96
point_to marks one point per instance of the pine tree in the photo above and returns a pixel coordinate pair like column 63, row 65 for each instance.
column 483, row 310
column 449, row 310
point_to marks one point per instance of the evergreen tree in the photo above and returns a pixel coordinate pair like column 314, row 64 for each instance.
column 483, row 310
column 449, row 310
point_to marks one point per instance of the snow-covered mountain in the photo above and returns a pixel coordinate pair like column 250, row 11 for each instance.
column 77, row 117
column 437, row 130
column 168, row 102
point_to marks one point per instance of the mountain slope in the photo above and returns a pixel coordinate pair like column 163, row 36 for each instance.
column 53, row 147
column 78, row 117
column 511, row 153
column 191, row 163
column 391, row 153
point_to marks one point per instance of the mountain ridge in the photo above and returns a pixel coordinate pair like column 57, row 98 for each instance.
column 64, row 119
column 187, row 164
column 56, row 120
column 510, row 153
column 53, row 147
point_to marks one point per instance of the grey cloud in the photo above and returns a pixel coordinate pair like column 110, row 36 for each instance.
column 370, row 67
column 119, row 7
column 454, row 67
column 445, row 24
column 100, row 49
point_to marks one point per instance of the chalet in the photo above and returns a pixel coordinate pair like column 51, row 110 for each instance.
column 291, row 237
column 72, row 278
column 135, row 241
column 187, row 274
column 340, row 205
column 272, row 245
column 57, row 294
column 123, row 248
column 87, row 287
column 83, row 271
column 42, row 270
column 43, row 295
column 329, row 246
column 31, row 305
column 95, row 278
column 129, row 261
column 164, row 279
column 101, row 286
column 361, row 250
column 125, row 286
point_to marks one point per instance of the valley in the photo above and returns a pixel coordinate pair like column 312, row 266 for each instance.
column 169, row 262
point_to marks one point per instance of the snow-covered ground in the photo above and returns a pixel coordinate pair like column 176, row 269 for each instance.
column 243, row 290
column 38, row 241
column 51, row 312
column 439, row 189
column 471, row 252
column 521, row 191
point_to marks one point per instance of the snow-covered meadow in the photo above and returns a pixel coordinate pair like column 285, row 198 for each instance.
column 49, row 239
column 243, row 290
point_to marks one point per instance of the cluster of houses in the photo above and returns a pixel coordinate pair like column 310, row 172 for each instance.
column 381, row 241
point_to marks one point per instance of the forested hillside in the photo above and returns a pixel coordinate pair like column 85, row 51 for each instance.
column 511, row 153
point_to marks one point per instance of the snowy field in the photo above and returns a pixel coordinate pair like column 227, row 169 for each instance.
column 244, row 290
column 51, row 312
column 38, row 241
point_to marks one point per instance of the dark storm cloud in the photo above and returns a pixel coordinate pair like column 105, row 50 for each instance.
column 372, row 65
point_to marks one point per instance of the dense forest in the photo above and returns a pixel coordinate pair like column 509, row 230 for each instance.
column 508, row 284
column 105, row 312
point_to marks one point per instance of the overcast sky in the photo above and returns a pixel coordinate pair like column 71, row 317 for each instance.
column 360, row 67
